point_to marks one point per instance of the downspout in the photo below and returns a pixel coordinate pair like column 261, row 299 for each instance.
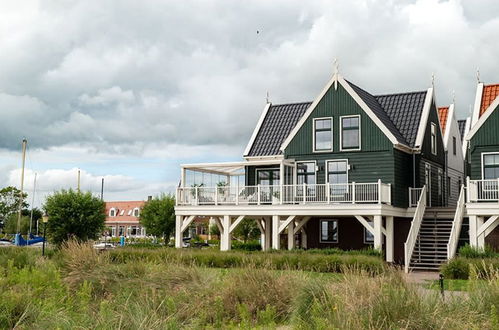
column 413, row 170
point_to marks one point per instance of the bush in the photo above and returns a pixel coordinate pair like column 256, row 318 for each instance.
column 467, row 251
column 460, row 267
column 249, row 246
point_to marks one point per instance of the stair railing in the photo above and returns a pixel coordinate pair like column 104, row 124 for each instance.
column 456, row 224
column 412, row 237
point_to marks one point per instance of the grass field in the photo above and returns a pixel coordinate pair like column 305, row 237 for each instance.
column 80, row 288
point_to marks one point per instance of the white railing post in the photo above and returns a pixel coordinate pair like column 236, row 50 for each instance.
column 379, row 191
column 469, row 188
column 258, row 194
column 176, row 196
column 304, row 193
column 410, row 196
column 414, row 230
column 196, row 195
column 328, row 193
column 237, row 192
column 353, row 192
column 281, row 194
column 389, row 194
column 456, row 226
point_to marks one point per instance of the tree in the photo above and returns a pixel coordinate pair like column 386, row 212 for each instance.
column 74, row 214
column 158, row 216
column 247, row 230
column 10, row 197
column 10, row 226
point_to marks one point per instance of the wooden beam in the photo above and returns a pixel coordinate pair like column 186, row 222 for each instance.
column 286, row 223
column 365, row 223
column 490, row 222
column 218, row 222
column 187, row 222
column 260, row 225
column 300, row 224
column 237, row 222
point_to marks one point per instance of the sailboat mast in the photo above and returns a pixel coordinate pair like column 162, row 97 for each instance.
column 25, row 142
column 32, row 206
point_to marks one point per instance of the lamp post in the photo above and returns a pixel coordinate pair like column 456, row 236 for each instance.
column 45, row 219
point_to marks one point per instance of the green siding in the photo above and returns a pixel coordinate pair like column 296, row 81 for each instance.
column 336, row 103
column 403, row 171
column 486, row 139
column 426, row 154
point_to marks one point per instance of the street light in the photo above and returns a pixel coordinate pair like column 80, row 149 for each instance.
column 45, row 219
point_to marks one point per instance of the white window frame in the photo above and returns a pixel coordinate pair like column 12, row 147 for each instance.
column 366, row 231
column 337, row 231
column 267, row 169
column 113, row 210
column 433, row 138
column 483, row 163
column 326, row 170
column 341, row 133
column 138, row 212
column 332, row 135
column 315, row 175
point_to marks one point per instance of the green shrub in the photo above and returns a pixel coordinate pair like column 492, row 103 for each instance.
column 249, row 246
column 467, row 251
column 459, row 268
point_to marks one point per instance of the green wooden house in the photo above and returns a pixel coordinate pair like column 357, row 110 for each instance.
column 349, row 170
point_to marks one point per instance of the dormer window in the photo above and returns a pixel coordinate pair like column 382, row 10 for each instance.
column 112, row 212
column 323, row 135
column 433, row 138
column 136, row 212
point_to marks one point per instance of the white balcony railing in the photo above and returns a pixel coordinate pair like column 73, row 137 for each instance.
column 414, row 194
column 456, row 224
column 415, row 227
column 368, row 193
column 483, row 190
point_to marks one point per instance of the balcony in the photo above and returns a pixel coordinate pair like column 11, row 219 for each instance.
column 482, row 191
column 353, row 193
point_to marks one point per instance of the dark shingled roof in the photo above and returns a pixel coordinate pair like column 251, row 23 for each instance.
column 278, row 123
column 400, row 113
column 405, row 110
column 462, row 126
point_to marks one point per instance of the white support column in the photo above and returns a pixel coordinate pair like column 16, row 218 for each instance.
column 378, row 233
column 178, row 231
column 268, row 234
column 276, row 242
column 303, row 238
column 291, row 235
column 389, row 239
column 473, row 219
column 225, row 241
column 281, row 181
column 480, row 237
column 182, row 177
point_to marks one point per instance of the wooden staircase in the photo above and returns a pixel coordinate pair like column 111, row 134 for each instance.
column 430, row 250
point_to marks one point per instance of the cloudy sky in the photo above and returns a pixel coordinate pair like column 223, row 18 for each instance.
column 128, row 90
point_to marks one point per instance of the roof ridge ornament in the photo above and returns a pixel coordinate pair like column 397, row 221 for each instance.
column 432, row 80
column 478, row 75
column 267, row 98
column 453, row 96
column 336, row 73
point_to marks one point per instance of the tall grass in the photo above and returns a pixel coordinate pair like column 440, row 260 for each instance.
column 84, row 289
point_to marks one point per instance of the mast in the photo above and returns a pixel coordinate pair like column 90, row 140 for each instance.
column 78, row 180
column 102, row 190
column 32, row 205
column 25, row 142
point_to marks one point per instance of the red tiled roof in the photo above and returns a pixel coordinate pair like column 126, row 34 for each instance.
column 124, row 210
column 490, row 92
column 443, row 112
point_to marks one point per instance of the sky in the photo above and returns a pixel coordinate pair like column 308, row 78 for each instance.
column 129, row 90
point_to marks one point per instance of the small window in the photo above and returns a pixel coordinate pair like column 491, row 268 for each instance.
column 350, row 133
column 112, row 212
column 433, row 138
column 122, row 212
column 136, row 212
column 329, row 231
column 490, row 166
column 323, row 136
column 113, row 231
column 368, row 236
column 454, row 145
column 129, row 212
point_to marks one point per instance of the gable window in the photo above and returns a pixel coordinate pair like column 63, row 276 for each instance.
column 112, row 212
column 329, row 231
column 368, row 236
column 490, row 166
column 323, row 135
column 350, row 133
column 433, row 138
column 454, row 145
column 136, row 212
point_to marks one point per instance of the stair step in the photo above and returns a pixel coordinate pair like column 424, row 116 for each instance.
column 425, row 263
column 423, row 268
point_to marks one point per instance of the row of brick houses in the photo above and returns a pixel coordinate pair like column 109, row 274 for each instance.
column 351, row 169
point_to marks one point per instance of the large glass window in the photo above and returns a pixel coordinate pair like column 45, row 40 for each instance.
column 491, row 166
column 268, row 177
column 350, row 132
column 329, row 231
column 305, row 172
column 323, row 135
column 433, row 138
column 337, row 171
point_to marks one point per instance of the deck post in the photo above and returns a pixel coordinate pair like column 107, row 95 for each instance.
column 291, row 235
column 379, row 191
column 480, row 238
column 258, row 194
column 178, row 231
column 303, row 238
column 473, row 230
column 378, row 234
column 268, row 234
column 225, row 239
column 389, row 239
column 276, row 237
column 281, row 180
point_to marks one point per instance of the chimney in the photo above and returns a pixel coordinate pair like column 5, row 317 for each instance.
column 149, row 198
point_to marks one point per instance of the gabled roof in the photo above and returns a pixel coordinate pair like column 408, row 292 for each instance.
column 124, row 210
column 462, row 127
column 278, row 122
column 489, row 94
column 443, row 113
column 405, row 110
